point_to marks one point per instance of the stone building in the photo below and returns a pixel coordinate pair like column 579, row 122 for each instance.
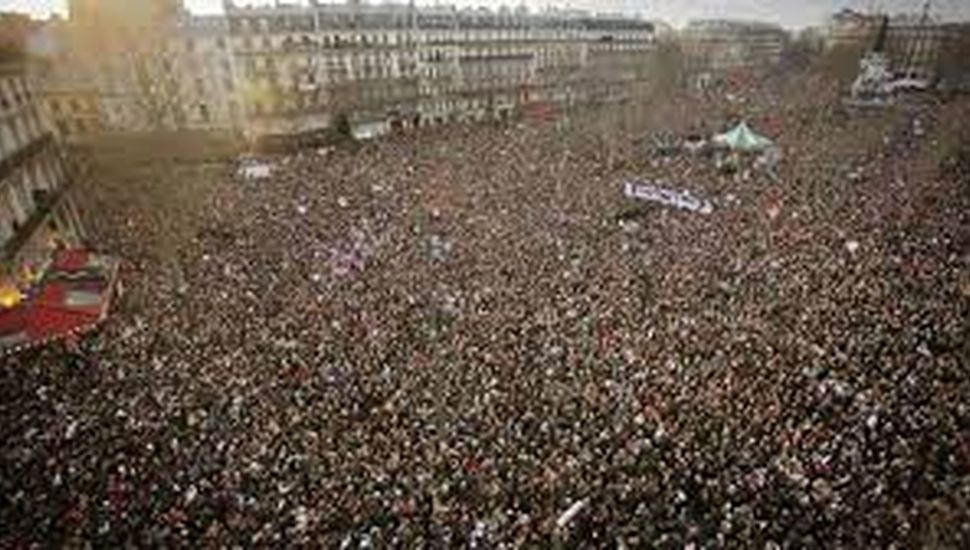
column 204, row 67
column 914, row 44
column 716, row 47
column 109, row 66
column 36, row 212
column 291, row 68
column 400, row 65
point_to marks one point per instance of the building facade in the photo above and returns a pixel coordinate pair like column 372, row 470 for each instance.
column 110, row 66
column 915, row 45
column 291, row 68
column 954, row 59
column 36, row 211
column 716, row 47
column 401, row 65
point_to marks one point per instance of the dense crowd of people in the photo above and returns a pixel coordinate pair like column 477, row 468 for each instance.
column 468, row 336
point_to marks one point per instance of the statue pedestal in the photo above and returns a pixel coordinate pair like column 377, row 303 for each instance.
column 873, row 85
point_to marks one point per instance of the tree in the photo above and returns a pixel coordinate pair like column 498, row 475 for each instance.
column 665, row 68
column 344, row 100
column 800, row 52
column 342, row 128
column 841, row 63
column 626, row 85
column 954, row 58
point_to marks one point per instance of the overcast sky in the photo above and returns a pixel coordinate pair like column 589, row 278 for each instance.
column 791, row 13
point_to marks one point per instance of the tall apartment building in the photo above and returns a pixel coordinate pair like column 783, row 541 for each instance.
column 109, row 66
column 721, row 46
column 36, row 212
column 290, row 68
column 914, row 44
column 300, row 65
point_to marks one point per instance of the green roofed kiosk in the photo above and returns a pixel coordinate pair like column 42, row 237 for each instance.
column 742, row 138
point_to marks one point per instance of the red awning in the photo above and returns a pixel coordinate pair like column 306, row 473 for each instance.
column 79, row 264
column 71, row 260
column 83, row 296
column 13, row 327
column 47, row 323
column 73, row 298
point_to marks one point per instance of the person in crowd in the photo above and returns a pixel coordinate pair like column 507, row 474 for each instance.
column 446, row 339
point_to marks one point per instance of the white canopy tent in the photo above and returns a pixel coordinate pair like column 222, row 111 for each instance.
column 742, row 138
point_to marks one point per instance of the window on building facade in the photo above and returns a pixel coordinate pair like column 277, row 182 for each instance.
column 9, row 141
column 15, row 207
column 15, row 94
column 33, row 123
column 4, row 100
column 6, row 228
column 24, row 195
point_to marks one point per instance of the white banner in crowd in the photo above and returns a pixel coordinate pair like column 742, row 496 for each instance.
column 574, row 510
column 254, row 170
column 678, row 199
